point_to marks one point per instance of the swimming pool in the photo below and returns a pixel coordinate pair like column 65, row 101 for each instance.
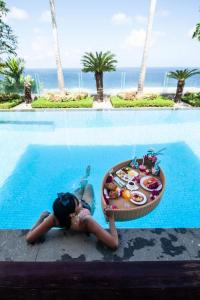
column 44, row 152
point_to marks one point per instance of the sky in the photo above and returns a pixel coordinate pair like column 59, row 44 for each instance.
column 118, row 26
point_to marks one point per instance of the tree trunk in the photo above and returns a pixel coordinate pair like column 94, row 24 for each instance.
column 56, row 47
column 146, row 48
column 27, row 92
column 99, row 85
column 179, row 90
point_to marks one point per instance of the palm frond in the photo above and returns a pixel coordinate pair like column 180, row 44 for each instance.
column 183, row 74
column 98, row 62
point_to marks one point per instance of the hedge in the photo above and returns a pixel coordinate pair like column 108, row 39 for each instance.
column 43, row 103
column 10, row 104
column 157, row 102
column 192, row 99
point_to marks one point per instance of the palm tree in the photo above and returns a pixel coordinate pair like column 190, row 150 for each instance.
column 61, row 83
column 146, row 48
column 99, row 63
column 181, row 76
column 12, row 70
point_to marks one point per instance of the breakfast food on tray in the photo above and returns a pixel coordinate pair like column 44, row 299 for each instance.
column 134, row 187
column 151, row 183
column 126, row 173
column 129, row 171
column 126, row 194
column 137, row 197
column 114, row 194
column 111, row 186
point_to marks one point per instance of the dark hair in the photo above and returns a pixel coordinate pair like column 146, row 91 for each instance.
column 63, row 206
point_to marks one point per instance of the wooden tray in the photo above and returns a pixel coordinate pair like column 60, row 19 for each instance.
column 133, row 211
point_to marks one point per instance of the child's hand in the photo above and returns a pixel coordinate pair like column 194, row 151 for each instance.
column 108, row 211
column 44, row 215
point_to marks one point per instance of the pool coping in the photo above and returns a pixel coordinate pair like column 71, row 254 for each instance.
column 176, row 244
column 98, row 109
column 155, row 263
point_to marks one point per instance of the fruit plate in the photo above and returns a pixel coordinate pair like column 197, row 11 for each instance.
column 138, row 195
column 150, row 180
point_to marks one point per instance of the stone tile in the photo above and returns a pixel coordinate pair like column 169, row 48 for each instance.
column 191, row 240
column 135, row 245
column 13, row 246
column 155, row 244
column 65, row 246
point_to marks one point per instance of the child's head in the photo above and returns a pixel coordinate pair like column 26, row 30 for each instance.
column 63, row 207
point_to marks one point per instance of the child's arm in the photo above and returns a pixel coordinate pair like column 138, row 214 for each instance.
column 44, row 224
column 108, row 238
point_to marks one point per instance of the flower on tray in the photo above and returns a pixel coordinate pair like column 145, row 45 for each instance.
column 154, row 194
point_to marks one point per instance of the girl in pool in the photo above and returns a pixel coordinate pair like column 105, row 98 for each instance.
column 73, row 211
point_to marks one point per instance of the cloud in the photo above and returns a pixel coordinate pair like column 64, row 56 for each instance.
column 140, row 19
column 46, row 16
column 136, row 38
column 120, row 19
column 163, row 13
column 42, row 47
column 37, row 30
column 17, row 14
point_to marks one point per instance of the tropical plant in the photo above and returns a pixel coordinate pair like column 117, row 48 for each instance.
column 152, row 10
column 99, row 63
column 61, row 83
column 196, row 33
column 181, row 76
column 14, row 79
column 8, row 41
column 12, row 71
column 2, row 65
column 13, row 68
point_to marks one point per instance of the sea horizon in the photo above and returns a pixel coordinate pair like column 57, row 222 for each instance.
column 124, row 78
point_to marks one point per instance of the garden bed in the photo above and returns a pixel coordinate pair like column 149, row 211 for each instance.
column 44, row 103
column 192, row 98
column 9, row 100
column 145, row 102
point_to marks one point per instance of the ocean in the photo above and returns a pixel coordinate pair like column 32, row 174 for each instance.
column 121, row 79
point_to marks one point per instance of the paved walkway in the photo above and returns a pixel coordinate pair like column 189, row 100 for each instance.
column 22, row 106
column 135, row 245
column 182, row 105
column 102, row 105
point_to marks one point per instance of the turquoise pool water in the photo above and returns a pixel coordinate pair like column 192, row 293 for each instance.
column 42, row 153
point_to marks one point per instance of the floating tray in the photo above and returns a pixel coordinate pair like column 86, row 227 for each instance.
column 126, row 210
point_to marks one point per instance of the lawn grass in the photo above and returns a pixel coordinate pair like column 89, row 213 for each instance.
column 192, row 98
column 44, row 103
column 157, row 102
column 10, row 103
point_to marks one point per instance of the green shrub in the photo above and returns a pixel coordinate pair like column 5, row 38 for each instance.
column 10, row 104
column 159, row 101
column 43, row 103
column 192, row 99
column 8, row 97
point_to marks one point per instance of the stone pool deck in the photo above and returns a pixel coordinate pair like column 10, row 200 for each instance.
column 135, row 245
